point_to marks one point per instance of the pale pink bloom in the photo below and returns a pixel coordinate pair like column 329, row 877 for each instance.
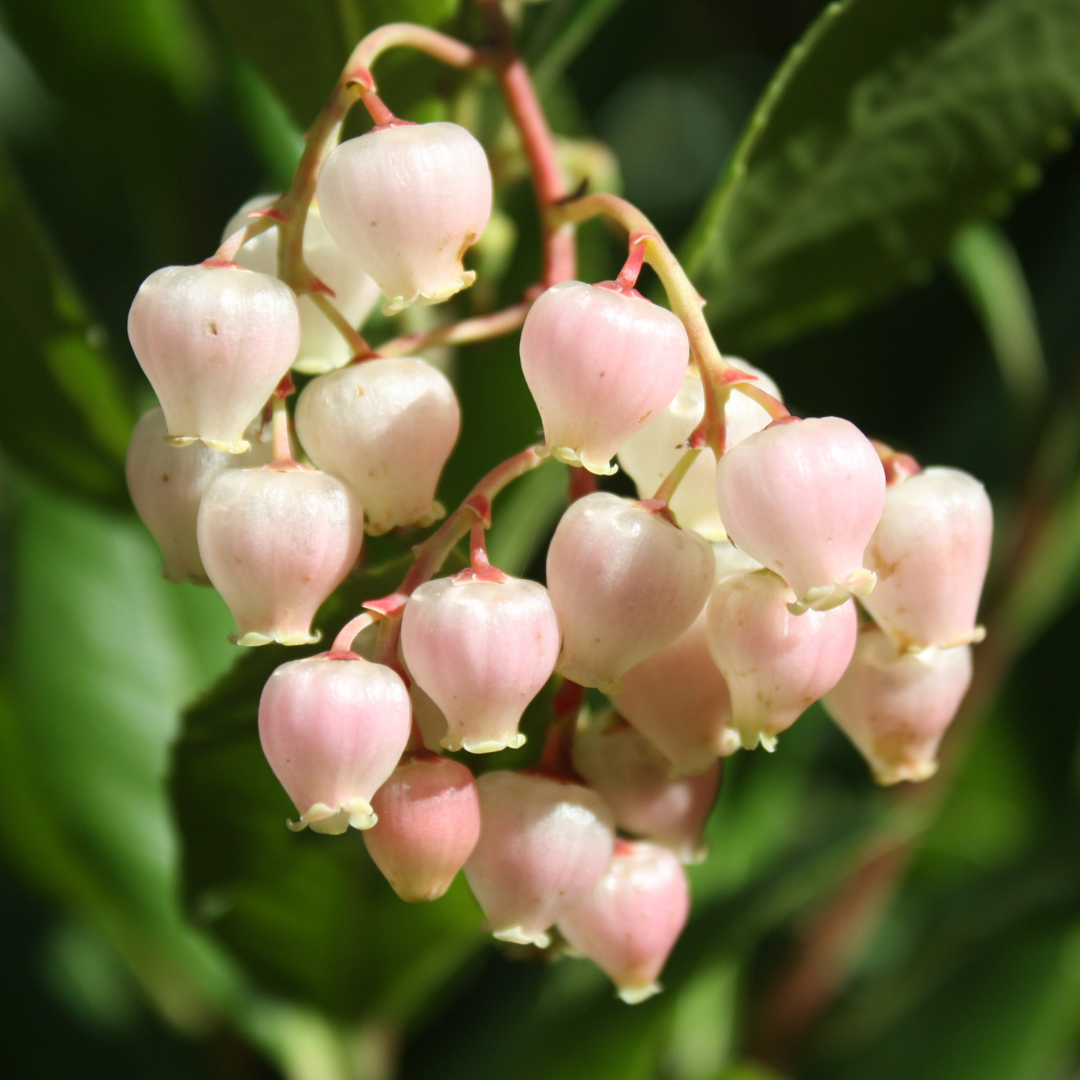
column 624, row 582
column 386, row 427
column 656, row 449
column 930, row 552
column 166, row 484
column 276, row 544
column 481, row 650
column 543, row 845
column 333, row 731
column 895, row 707
column 428, row 824
column 803, row 498
column 322, row 346
column 214, row 343
column 407, row 202
column 630, row 921
column 679, row 701
column 635, row 780
column 776, row 664
column 600, row 363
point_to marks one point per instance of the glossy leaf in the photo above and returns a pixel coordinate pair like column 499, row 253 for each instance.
column 890, row 124
column 101, row 656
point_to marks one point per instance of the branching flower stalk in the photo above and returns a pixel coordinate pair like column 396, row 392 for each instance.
column 717, row 375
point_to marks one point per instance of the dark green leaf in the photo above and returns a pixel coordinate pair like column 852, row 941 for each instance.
column 71, row 416
column 300, row 46
column 565, row 29
column 890, row 124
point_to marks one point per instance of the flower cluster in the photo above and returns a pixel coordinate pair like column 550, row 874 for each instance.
column 712, row 610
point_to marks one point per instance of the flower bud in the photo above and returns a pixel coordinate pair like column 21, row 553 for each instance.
column 429, row 718
column 624, row 583
column 214, row 343
column 635, row 780
column 804, row 498
column 896, row 706
column 543, row 845
column 630, row 921
column 776, row 664
column 407, row 202
column 167, row 484
column 930, row 552
column 276, row 544
column 481, row 650
column 655, row 450
column 322, row 346
column 333, row 731
column 679, row 701
column 385, row 427
column 429, row 822
column 600, row 363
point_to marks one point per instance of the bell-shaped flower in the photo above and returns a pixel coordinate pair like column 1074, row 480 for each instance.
column 630, row 921
column 276, row 544
column 386, row 427
column 679, row 701
column 407, row 201
column 776, row 664
column 333, row 730
column 544, row 843
column 428, row 824
column 635, row 780
column 930, row 552
column 895, row 707
column 803, row 497
column 481, row 650
column 214, row 341
column 625, row 582
column 600, row 364
column 322, row 346
column 655, row 450
column 166, row 484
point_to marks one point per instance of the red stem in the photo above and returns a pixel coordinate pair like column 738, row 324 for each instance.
column 560, row 248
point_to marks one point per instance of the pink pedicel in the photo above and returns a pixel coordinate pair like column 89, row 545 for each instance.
column 803, row 498
column 322, row 347
column 166, row 484
column 895, row 707
column 333, row 732
column 428, row 824
column 679, row 701
column 600, row 363
column 625, row 582
column 776, row 664
column 655, row 450
column 635, row 780
column 930, row 552
column 481, row 650
column 630, row 921
column 543, row 845
column 214, row 343
column 407, row 202
column 385, row 427
column 276, row 544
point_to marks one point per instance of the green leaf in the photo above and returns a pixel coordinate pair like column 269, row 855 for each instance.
column 300, row 46
column 101, row 655
column 71, row 417
column 889, row 125
column 566, row 27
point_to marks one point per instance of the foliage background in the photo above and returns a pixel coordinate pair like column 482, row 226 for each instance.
column 885, row 243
